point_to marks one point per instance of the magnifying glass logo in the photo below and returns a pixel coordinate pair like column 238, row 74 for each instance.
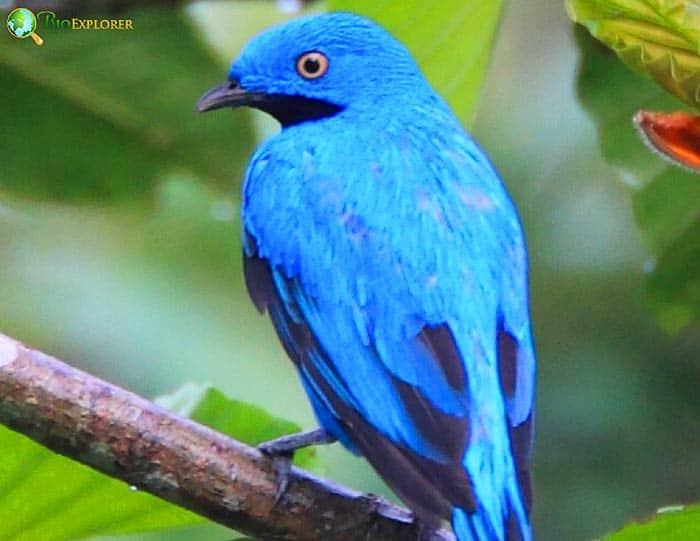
column 21, row 23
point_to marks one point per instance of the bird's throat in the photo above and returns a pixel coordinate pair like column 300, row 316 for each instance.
column 291, row 110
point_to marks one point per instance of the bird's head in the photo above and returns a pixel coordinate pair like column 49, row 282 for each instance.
column 318, row 66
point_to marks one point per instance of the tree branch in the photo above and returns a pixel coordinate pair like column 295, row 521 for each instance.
column 127, row 437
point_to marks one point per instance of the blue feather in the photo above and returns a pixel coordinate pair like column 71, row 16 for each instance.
column 392, row 262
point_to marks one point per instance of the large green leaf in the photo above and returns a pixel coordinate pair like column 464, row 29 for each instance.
column 612, row 94
column 676, row 523
column 47, row 497
column 658, row 37
column 451, row 40
column 115, row 110
column 665, row 198
column 245, row 422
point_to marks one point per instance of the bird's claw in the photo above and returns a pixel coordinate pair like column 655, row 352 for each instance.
column 281, row 451
column 282, row 464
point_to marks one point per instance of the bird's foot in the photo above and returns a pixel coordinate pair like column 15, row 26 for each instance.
column 281, row 451
column 282, row 464
column 286, row 445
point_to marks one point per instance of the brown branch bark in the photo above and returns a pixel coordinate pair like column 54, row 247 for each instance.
column 127, row 437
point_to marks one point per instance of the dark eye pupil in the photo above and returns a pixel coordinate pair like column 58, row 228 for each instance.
column 311, row 65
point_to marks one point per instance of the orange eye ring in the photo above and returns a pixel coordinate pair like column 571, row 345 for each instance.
column 312, row 65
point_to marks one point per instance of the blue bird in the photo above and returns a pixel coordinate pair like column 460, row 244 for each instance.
column 391, row 261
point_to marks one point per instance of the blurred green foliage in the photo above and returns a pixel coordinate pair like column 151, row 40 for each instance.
column 120, row 249
column 129, row 94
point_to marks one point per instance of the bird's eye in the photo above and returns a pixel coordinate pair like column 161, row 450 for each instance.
column 312, row 65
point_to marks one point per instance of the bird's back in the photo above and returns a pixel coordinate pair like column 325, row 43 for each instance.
column 393, row 266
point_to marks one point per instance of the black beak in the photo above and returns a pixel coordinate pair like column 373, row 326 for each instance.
column 228, row 94
column 289, row 110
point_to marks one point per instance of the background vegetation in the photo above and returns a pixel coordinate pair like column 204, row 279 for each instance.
column 120, row 248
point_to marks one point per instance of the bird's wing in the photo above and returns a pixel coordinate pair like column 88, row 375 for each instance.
column 409, row 417
column 516, row 366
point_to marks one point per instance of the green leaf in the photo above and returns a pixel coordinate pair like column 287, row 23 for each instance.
column 246, row 422
column 612, row 94
column 673, row 288
column 103, row 115
column 665, row 197
column 675, row 523
column 658, row 37
column 668, row 213
column 47, row 497
column 451, row 40
column 667, row 207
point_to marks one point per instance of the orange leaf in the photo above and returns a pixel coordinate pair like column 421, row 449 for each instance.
column 675, row 135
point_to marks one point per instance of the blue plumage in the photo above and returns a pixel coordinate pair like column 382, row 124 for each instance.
column 392, row 263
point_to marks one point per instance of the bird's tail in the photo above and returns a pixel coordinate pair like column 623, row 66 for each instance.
column 477, row 527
